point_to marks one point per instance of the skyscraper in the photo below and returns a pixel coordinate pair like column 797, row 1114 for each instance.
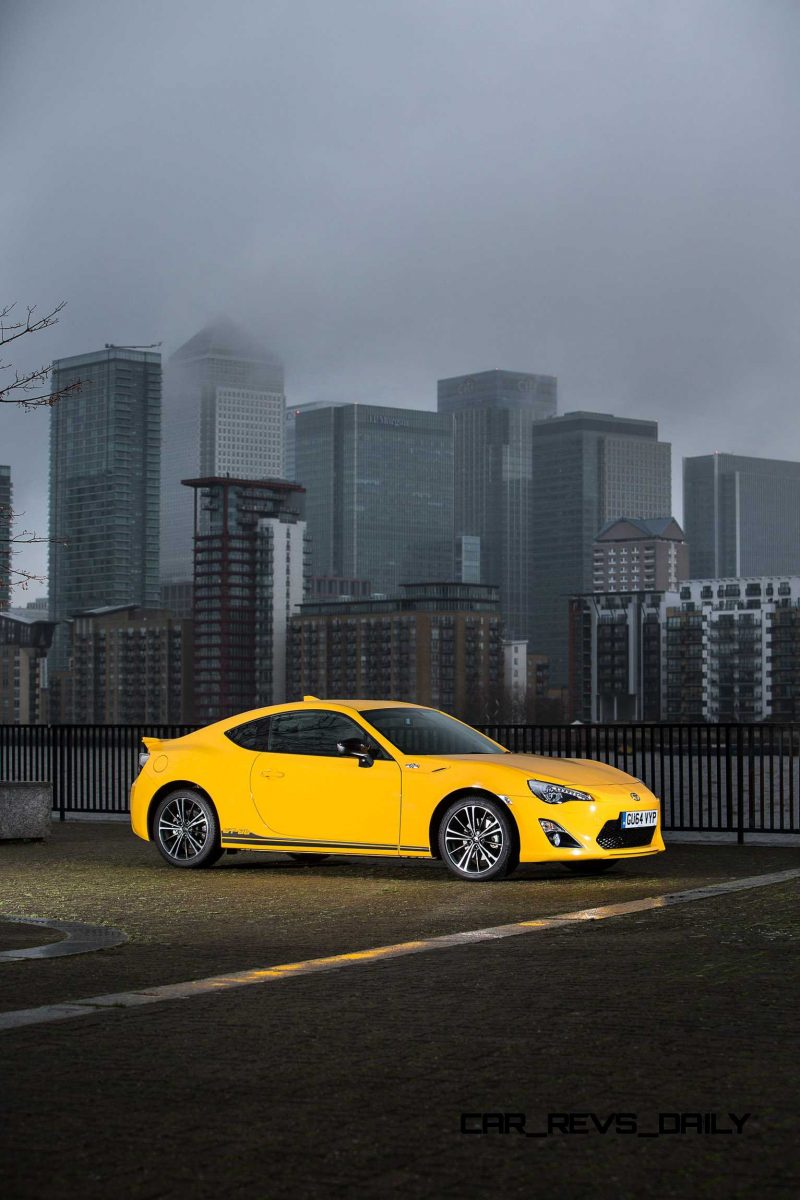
column 292, row 413
column 379, row 499
column 5, row 537
column 493, row 414
column 588, row 468
column 224, row 414
column 104, row 484
column 250, row 569
column 742, row 515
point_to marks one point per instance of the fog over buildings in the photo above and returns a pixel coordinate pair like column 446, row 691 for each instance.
column 388, row 194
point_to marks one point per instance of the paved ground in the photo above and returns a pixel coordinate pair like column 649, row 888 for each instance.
column 353, row 1083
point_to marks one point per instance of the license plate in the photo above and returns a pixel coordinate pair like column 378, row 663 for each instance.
column 635, row 820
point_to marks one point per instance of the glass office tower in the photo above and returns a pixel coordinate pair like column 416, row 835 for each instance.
column 293, row 411
column 742, row 515
column 224, row 414
column 104, row 484
column 493, row 414
column 588, row 468
column 379, row 493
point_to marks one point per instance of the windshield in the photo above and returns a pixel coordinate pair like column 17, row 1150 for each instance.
column 426, row 731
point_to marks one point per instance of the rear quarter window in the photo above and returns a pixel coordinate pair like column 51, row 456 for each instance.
column 252, row 735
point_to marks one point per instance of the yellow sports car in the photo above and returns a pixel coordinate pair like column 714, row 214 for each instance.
column 382, row 778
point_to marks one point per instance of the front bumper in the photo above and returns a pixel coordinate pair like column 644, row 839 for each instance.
column 594, row 829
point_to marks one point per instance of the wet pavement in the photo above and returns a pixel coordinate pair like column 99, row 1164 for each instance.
column 354, row 1082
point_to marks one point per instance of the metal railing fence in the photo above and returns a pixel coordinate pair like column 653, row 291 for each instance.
column 91, row 767
column 713, row 778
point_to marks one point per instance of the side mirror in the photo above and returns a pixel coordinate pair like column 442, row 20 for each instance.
column 355, row 748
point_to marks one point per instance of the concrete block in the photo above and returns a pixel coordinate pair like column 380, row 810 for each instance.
column 25, row 810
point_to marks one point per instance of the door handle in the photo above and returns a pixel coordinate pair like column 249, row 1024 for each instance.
column 272, row 774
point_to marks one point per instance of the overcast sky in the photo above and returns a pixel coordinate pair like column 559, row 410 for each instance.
column 390, row 191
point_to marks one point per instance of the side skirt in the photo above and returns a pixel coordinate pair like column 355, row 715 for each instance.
column 231, row 840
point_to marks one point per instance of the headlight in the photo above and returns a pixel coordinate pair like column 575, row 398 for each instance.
column 556, row 793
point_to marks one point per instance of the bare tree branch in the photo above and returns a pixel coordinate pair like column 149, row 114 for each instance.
column 32, row 324
column 28, row 383
column 16, row 576
column 18, row 392
column 29, row 390
column 22, row 579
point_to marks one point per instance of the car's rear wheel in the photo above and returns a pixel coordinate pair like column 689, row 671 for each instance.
column 186, row 829
column 593, row 866
column 308, row 860
column 477, row 840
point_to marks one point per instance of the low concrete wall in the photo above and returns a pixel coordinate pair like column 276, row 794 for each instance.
column 25, row 810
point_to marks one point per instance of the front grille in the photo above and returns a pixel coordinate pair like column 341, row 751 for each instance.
column 611, row 837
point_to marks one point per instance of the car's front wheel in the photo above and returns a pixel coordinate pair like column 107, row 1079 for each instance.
column 477, row 840
column 186, row 829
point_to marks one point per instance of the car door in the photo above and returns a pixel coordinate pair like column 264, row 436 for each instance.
column 306, row 792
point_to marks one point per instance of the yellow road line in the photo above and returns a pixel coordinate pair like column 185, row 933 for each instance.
column 259, row 975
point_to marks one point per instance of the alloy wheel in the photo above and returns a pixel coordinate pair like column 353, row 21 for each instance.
column 183, row 828
column 474, row 839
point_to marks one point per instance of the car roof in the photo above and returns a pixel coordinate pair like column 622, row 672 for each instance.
column 309, row 702
column 363, row 705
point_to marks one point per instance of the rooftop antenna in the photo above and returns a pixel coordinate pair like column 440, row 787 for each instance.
column 114, row 346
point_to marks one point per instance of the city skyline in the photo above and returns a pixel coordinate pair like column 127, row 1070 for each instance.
column 33, row 557
column 622, row 216
column 20, row 596
column 106, row 446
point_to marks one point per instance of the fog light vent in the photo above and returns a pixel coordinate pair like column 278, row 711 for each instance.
column 557, row 835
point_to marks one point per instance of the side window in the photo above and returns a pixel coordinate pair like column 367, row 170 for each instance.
column 253, row 735
column 313, row 733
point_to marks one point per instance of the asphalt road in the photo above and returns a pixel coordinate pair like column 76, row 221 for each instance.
column 354, row 1082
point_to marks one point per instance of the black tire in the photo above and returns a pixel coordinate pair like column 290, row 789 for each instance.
column 309, row 860
column 593, row 866
column 186, row 830
column 478, row 840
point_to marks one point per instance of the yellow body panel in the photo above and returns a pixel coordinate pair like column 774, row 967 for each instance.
column 301, row 803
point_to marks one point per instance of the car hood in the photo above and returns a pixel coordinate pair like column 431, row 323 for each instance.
column 575, row 772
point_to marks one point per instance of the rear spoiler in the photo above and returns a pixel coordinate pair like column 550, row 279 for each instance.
column 155, row 743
